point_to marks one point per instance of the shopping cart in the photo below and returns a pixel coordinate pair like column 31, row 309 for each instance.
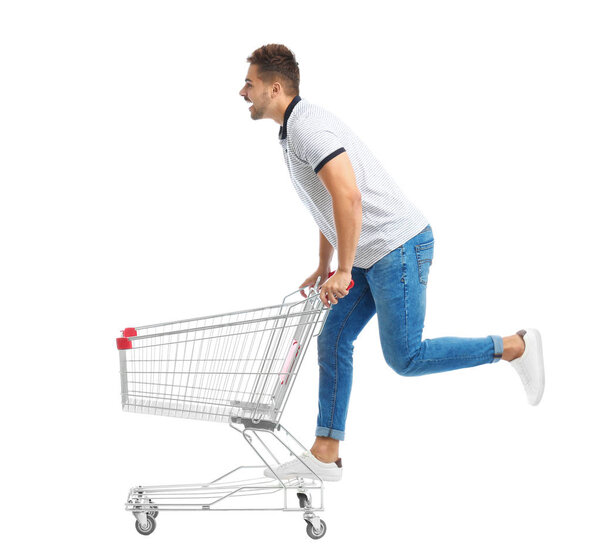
column 237, row 368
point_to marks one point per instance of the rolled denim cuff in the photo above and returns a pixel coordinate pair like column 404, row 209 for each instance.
column 330, row 432
column 498, row 347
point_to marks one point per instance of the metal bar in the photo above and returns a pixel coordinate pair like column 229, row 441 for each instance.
column 143, row 327
column 209, row 327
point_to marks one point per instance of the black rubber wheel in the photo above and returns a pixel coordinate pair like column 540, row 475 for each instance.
column 149, row 527
column 311, row 530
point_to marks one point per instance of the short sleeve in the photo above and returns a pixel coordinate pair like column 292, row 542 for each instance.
column 315, row 144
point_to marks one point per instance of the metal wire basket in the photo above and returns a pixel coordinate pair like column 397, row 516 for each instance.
column 233, row 365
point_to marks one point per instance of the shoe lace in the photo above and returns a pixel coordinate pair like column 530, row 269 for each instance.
column 303, row 455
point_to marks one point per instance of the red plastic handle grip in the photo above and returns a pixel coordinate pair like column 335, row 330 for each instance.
column 349, row 285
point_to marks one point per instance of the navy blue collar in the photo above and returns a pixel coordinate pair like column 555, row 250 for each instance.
column 286, row 116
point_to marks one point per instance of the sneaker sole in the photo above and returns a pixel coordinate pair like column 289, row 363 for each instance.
column 535, row 360
column 325, row 477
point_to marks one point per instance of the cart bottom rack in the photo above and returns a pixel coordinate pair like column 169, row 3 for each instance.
column 245, row 488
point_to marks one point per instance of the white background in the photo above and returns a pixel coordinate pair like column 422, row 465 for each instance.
column 136, row 188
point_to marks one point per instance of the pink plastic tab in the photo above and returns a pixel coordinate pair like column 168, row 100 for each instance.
column 289, row 360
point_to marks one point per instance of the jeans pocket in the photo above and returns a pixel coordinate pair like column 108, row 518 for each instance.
column 424, row 259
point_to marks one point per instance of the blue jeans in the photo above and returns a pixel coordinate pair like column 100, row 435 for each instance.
column 394, row 288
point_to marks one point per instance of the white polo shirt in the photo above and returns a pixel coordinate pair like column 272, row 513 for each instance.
column 310, row 137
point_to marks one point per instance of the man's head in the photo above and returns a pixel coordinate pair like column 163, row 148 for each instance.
column 273, row 79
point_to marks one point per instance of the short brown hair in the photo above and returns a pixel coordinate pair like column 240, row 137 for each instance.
column 277, row 61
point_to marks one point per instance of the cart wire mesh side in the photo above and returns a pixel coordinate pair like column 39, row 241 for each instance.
column 235, row 365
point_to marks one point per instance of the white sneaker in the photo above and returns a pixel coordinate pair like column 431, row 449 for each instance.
column 331, row 472
column 530, row 365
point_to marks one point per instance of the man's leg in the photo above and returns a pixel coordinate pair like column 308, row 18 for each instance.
column 398, row 283
column 335, row 348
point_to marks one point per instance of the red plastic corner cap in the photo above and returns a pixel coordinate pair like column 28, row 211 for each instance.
column 129, row 331
column 123, row 343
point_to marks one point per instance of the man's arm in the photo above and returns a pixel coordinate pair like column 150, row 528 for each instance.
column 338, row 177
column 325, row 252
column 322, row 272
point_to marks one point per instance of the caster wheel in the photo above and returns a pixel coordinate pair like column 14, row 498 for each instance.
column 314, row 534
column 149, row 527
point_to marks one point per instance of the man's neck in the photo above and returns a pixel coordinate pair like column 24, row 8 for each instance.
column 280, row 109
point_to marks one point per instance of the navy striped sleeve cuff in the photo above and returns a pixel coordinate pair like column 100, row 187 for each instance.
column 328, row 158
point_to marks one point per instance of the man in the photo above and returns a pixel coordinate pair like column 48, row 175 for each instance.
column 384, row 244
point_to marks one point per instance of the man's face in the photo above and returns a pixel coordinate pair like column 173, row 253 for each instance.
column 255, row 91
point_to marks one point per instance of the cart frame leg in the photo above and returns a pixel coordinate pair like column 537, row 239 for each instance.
column 271, row 428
